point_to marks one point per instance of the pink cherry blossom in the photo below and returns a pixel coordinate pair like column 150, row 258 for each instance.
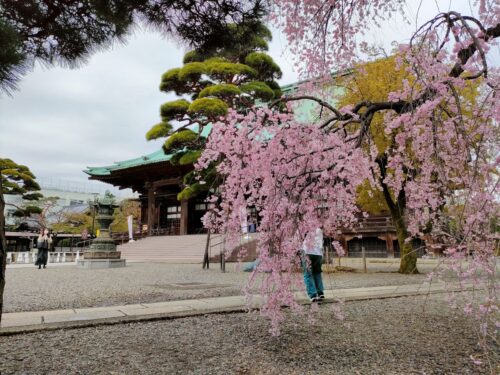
column 441, row 166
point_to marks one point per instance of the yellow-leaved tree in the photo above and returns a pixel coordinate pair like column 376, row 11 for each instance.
column 372, row 82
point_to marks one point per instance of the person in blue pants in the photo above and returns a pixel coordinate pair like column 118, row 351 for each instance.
column 312, row 259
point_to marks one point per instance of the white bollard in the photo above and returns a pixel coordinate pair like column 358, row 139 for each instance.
column 25, row 258
column 9, row 257
column 77, row 255
column 64, row 258
column 58, row 259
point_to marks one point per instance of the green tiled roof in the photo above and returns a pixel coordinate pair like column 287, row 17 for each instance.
column 155, row 157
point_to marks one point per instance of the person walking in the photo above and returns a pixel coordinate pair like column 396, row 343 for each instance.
column 43, row 244
column 312, row 259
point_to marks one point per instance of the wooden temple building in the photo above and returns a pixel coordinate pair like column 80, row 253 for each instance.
column 158, row 182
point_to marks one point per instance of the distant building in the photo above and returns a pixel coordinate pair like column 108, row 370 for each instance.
column 71, row 197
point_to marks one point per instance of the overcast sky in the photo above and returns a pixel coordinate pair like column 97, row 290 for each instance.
column 61, row 120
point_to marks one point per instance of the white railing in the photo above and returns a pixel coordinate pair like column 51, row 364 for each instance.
column 29, row 257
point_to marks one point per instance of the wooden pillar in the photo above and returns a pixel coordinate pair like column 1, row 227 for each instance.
column 151, row 209
column 345, row 240
column 390, row 245
column 144, row 213
column 184, row 217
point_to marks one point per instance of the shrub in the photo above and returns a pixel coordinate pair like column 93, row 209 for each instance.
column 222, row 90
column 209, row 107
column 229, row 69
column 259, row 90
column 264, row 64
column 159, row 130
column 178, row 139
column 170, row 81
column 190, row 191
column 192, row 56
column 192, row 71
column 190, row 157
column 176, row 107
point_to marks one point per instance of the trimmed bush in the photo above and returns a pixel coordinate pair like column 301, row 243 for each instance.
column 176, row 107
column 192, row 71
column 190, row 157
column 159, row 130
column 276, row 88
column 230, row 69
column 264, row 64
column 222, row 90
column 178, row 139
column 209, row 107
column 170, row 81
column 259, row 90
column 192, row 56
column 191, row 191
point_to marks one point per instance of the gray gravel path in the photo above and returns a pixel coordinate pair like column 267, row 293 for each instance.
column 392, row 336
column 30, row 289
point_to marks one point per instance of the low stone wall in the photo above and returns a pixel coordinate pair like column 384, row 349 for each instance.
column 29, row 257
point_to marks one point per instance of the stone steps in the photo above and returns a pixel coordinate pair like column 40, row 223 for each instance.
column 167, row 249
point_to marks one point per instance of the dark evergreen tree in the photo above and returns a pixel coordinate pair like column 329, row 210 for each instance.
column 15, row 179
column 67, row 32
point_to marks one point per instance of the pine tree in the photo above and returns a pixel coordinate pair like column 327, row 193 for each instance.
column 233, row 73
column 15, row 179
column 67, row 32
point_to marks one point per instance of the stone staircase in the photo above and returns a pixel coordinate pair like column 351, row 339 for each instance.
column 167, row 249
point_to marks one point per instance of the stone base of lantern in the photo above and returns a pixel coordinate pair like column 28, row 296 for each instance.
column 100, row 263
column 94, row 259
column 99, row 254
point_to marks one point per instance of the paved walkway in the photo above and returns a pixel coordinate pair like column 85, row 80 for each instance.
column 54, row 319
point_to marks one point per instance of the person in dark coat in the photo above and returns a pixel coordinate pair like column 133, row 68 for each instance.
column 43, row 244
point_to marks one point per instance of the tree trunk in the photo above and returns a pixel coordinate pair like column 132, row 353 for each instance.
column 3, row 249
column 408, row 264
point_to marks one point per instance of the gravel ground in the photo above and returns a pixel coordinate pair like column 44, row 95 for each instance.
column 391, row 336
column 30, row 289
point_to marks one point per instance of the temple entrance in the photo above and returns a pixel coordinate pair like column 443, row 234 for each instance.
column 172, row 221
column 197, row 210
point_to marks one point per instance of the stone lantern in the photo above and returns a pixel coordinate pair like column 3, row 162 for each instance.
column 102, row 252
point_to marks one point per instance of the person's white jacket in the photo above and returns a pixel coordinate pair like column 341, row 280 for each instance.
column 313, row 243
